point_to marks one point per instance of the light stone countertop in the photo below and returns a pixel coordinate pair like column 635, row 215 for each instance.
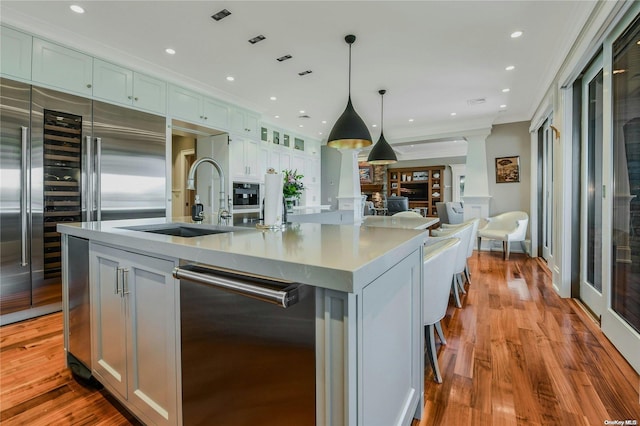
column 339, row 257
column 400, row 222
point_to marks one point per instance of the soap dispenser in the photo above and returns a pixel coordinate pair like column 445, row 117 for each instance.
column 197, row 210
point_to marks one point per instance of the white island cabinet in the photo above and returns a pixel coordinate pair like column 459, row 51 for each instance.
column 133, row 328
column 367, row 290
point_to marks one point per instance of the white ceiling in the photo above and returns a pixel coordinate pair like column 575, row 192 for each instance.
column 432, row 57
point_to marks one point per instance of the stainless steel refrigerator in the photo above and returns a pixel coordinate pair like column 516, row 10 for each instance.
column 65, row 158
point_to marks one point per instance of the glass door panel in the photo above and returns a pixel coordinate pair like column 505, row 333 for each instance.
column 592, row 188
column 625, row 232
column 547, row 192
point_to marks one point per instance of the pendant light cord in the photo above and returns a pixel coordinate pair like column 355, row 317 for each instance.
column 382, row 115
column 349, row 70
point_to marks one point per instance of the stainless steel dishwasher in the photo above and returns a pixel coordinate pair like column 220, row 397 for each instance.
column 248, row 349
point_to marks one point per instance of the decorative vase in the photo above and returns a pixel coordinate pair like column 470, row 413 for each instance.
column 290, row 202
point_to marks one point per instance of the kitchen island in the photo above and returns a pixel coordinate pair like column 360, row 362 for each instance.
column 366, row 314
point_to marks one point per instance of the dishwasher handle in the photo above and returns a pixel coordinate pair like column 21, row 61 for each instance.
column 244, row 286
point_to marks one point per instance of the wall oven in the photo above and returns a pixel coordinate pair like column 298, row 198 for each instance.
column 246, row 195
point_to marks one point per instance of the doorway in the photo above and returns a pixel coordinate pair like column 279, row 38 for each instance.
column 188, row 143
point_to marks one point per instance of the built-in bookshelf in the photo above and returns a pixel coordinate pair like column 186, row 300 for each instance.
column 423, row 185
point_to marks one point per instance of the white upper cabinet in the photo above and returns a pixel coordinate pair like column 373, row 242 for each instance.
column 15, row 53
column 195, row 108
column 216, row 114
column 244, row 123
column 243, row 159
column 149, row 93
column 62, row 68
column 121, row 85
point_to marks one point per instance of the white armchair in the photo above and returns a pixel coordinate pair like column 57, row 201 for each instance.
column 506, row 227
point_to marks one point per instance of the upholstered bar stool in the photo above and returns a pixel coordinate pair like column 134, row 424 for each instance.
column 439, row 262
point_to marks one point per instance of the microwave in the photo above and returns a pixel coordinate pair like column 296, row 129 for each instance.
column 246, row 195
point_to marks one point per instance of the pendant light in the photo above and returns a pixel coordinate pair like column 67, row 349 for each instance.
column 349, row 131
column 382, row 153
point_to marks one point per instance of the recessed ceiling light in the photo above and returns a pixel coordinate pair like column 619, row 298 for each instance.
column 277, row 116
column 510, row 68
column 300, row 125
column 273, row 98
column 411, row 120
column 221, row 15
column 503, row 106
column 301, row 111
column 324, row 121
column 76, row 8
column 374, row 125
column 319, row 133
column 170, row 51
column 257, row 39
column 230, row 78
column 506, row 90
column 516, row 34
column 454, row 113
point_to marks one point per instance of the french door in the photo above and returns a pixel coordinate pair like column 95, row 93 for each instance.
column 621, row 316
column 547, row 192
column 592, row 188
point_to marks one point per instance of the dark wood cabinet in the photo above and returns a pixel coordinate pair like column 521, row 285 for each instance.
column 423, row 185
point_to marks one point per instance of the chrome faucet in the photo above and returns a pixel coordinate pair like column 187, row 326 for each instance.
column 224, row 214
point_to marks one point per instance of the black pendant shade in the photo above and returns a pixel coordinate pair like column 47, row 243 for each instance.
column 382, row 153
column 349, row 131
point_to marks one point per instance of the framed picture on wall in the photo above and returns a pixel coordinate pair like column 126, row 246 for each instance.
column 507, row 169
column 366, row 174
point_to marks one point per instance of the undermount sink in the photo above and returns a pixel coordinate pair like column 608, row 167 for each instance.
column 178, row 230
column 183, row 231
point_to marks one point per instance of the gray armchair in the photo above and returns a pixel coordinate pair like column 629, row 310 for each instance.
column 450, row 212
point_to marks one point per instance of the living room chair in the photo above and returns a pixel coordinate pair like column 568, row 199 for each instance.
column 506, row 227
column 438, row 266
column 455, row 212
column 397, row 204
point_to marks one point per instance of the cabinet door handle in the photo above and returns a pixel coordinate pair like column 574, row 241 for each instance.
column 117, row 289
column 88, row 86
column 135, row 99
column 125, row 281
column 129, row 97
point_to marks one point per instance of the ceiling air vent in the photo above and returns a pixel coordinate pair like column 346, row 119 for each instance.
column 221, row 15
column 305, row 72
column 256, row 39
column 476, row 101
column 284, row 58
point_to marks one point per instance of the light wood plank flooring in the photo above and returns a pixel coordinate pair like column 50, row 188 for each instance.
column 517, row 354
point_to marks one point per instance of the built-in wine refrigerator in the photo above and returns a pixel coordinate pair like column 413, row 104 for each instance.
column 61, row 180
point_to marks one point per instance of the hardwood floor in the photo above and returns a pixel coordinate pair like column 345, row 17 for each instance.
column 37, row 389
column 516, row 354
